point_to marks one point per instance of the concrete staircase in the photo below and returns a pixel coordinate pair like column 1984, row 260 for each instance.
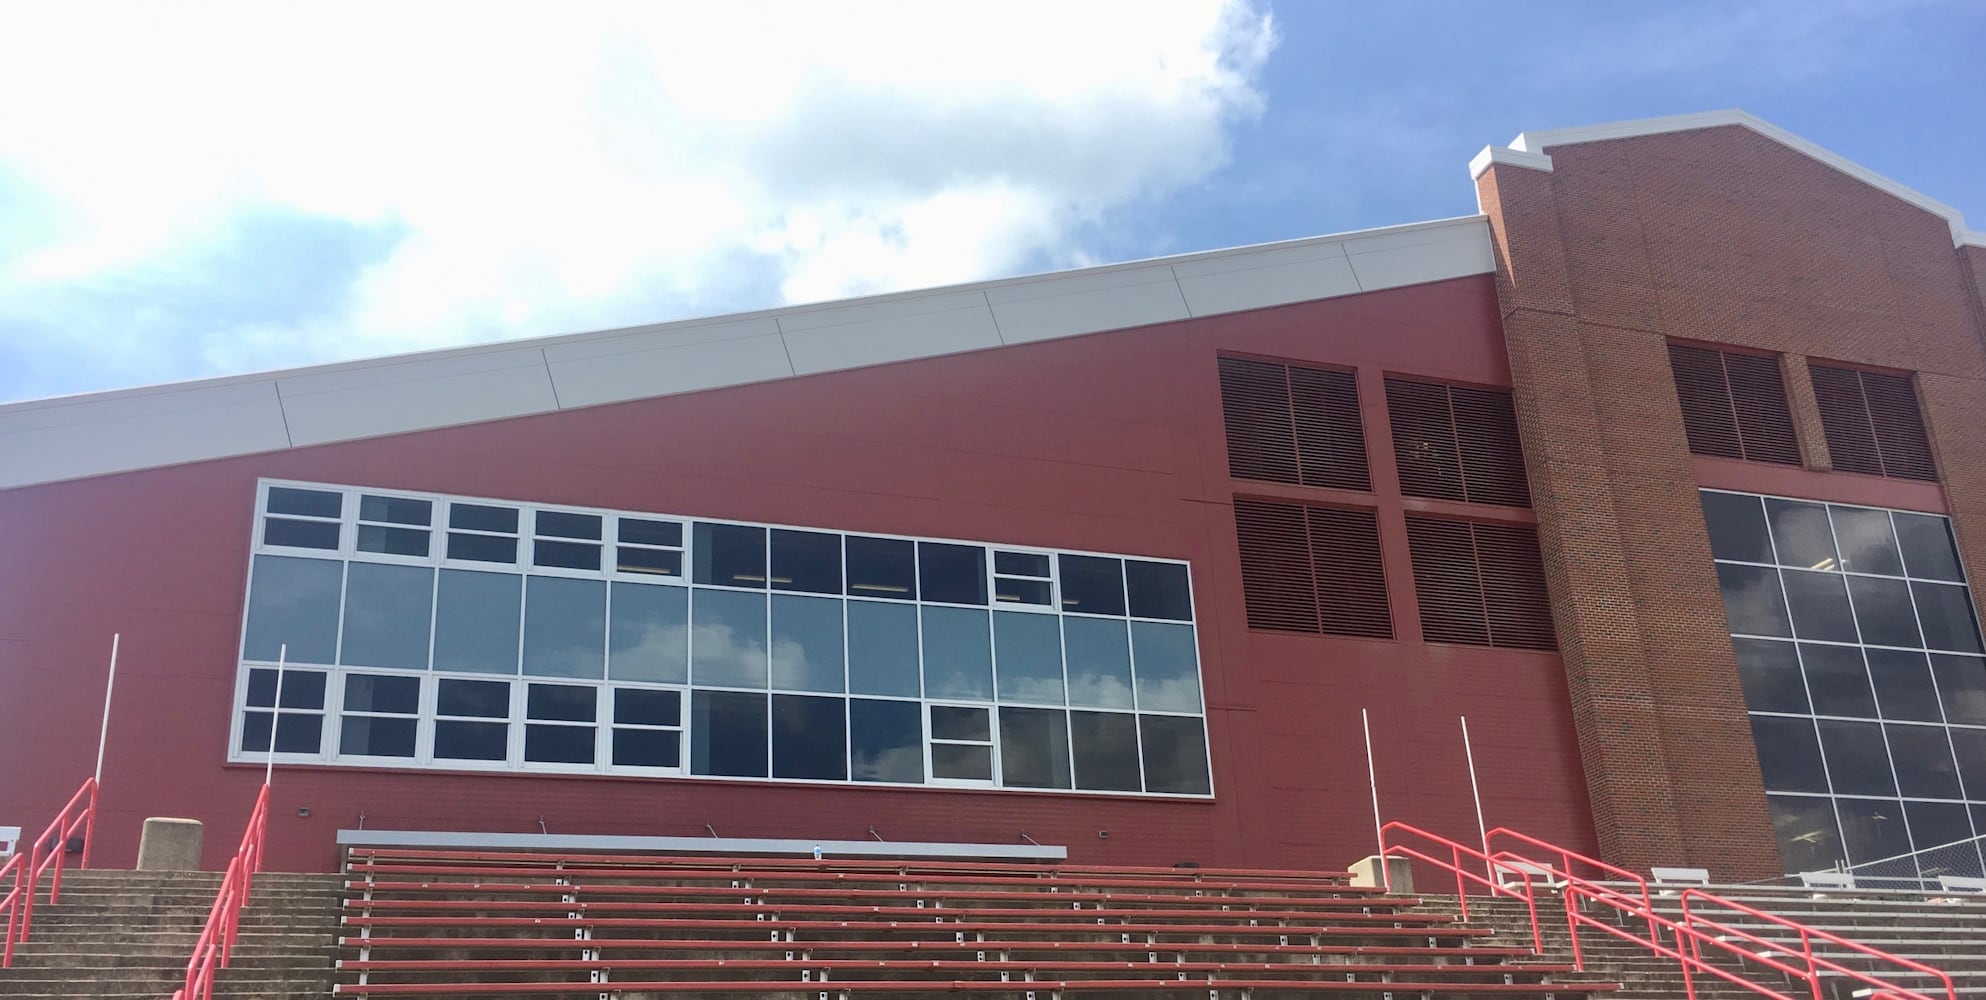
column 123, row 934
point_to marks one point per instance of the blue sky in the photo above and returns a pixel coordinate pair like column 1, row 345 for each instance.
column 215, row 188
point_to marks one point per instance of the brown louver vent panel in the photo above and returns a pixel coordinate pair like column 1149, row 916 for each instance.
column 1872, row 423
column 1456, row 443
column 1734, row 405
column 1292, row 424
column 1708, row 419
column 1480, row 584
column 1312, row 569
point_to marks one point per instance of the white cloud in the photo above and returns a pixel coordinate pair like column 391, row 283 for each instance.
column 550, row 172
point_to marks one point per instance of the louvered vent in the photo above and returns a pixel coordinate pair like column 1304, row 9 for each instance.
column 1292, row 424
column 1456, row 443
column 1872, row 423
column 1480, row 584
column 1734, row 405
column 1312, row 569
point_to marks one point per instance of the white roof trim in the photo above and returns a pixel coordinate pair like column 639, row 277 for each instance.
column 1512, row 157
column 96, row 434
column 1539, row 142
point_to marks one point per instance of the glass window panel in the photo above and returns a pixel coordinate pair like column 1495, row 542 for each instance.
column 1099, row 658
column 650, row 640
column 475, row 621
column 561, row 524
column 1819, row 605
column 1788, row 755
column 656, row 562
column 806, row 560
column 1737, row 527
column 396, row 510
column 1923, row 759
column 293, row 601
column 648, row 748
column 1946, row 613
column 471, row 740
column 478, row 517
column 1882, row 611
column 561, row 703
column 1007, row 590
column 958, row 654
column 297, row 733
column 478, row 699
column 955, row 762
column 951, row 722
column 1752, row 600
column 565, row 627
column 300, row 688
column 1838, row 680
column 1800, row 534
column 387, row 613
column 886, row 741
column 1034, row 748
column 1943, row 832
column 1167, row 667
column 1158, row 590
column 728, row 734
column 1962, row 688
column 367, row 693
column 882, row 567
column 806, row 643
column 727, row 639
column 882, row 649
column 1856, row 759
column 1770, row 672
column 393, row 541
column 1872, row 829
column 1028, row 657
column 639, row 531
column 952, row 574
column 1092, row 585
column 809, row 737
column 730, row 554
column 367, row 736
column 638, row 707
column 1970, row 745
column 300, row 534
column 1865, row 540
column 309, row 503
column 1105, row 748
column 559, row 744
column 1928, row 551
column 1903, row 685
column 1175, row 754
column 482, row 548
column 1021, row 563
column 565, row 555
column 1809, row 841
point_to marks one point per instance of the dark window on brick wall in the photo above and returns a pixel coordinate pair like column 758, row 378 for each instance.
column 1734, row 405
column 1293, row 424
column 1872, row 423
column 1312, row 569
column 1480, row 584
column 1456, row 443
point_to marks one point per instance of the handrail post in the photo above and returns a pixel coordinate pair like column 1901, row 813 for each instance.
column 1461, row 888
column 89, row 826
column 25, row 906
column 1572, row 929
column 1683, row 960
column 1813, row 970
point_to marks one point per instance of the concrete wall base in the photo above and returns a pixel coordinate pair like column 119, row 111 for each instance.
column 170, row 845
column 1399, row 873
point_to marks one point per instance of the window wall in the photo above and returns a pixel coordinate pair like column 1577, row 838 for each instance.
column 429, row 631
column 1862, row 668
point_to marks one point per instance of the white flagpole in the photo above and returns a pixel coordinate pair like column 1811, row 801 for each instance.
column 1475, row 793
column 103, row 734
column 276, row 712
column 1372, row 781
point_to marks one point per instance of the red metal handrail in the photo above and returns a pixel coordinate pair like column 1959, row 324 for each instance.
column 1687, row 950
column 1815, row 963
column 1391, row 832
column 47, row 851
column 1563, row 872
column 216, row 945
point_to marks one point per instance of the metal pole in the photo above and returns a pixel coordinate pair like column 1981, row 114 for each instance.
column 103, row 734
column 1482, row 829
column 1372, row 781
column 275, row 712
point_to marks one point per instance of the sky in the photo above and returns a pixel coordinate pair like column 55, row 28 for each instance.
column 199, row 189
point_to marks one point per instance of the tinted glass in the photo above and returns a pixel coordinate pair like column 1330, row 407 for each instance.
column 565, row 627
column 1752, row 600
column 565, row 555
column 1770, row 672
column 1175, row 754
column 1788, row 754
column 1962, row 688
column 481, row 699
column 1865, row 540
column 1104, row 746
column 1970, row 745
column 293, row 601
column 1856, row 759
column 1098, row 652
column 1903, row 685
column 961, row 763
column 949, row 722
column 1158, row 590
column 309, row 503
column 650, row 640
column 1882, row 611
column 882, row 649
column 393, row 541
column 559, row 744
column 882, row 567
column 1946, row 830
column 648, row 748
column 636, row 707
column 366, row 736
column 1737, row 527
column 561, row 703
column 729, row 554
column 1928, row 552
column 1092, row 585
column 952, row 574
column 1808, row 838
column 1923, row 758
column 728, row 733
column 300, row 534
column 477, row 517
column 295, row 734
column 1946, row 613
column 654, row 562
column 641, row 532
column 806, row 643
column 727, row 639
column 397, row 510
column 1166, row 666
column 1872, row 829
column 886, row 741
column 1819, row 605
column 475, row 622
column 482, row 548
column 1034, row 748
column 559, row 524
column 299, row 688
column 809, row 738
column 364, row 693
column 1800, row 534
column 1838, row 680
column 806, row 560
column 471, row 740
column 1008, row 590
column 1027, row 653
column 1021, row 563
column 958, row 654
